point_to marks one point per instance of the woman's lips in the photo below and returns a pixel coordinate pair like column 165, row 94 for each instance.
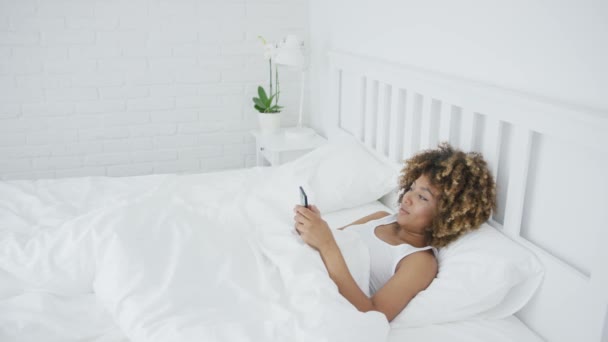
column 403, row 211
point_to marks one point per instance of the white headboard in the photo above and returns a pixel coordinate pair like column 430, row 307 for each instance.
column 550, row 161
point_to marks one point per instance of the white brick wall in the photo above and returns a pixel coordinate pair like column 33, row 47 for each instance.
column 123, row 88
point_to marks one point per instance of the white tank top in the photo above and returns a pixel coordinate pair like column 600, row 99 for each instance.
column 384, row 257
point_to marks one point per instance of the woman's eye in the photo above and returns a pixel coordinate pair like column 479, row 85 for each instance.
column 422, row 198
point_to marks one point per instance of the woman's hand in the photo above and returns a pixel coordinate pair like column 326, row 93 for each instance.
column 312, row 228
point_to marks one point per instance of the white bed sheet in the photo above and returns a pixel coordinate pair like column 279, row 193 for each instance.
column 35, row 305
column 509, row 329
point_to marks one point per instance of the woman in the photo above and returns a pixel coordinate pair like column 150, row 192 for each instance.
column 443, row 194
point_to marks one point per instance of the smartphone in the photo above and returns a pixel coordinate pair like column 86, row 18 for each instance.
column 303, row 198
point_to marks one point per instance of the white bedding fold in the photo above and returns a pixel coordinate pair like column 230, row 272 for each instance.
column 211, row 260
column 51, row 318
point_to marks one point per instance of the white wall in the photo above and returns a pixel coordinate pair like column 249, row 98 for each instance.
column 118, row 88
column 550, row 49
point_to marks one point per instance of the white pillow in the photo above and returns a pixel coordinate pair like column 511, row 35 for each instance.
column 340, row 175
column 483, row 274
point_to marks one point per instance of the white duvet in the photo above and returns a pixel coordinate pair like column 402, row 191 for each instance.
column 168, row 258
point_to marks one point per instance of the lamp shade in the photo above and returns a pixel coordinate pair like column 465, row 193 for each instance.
column 289, row 52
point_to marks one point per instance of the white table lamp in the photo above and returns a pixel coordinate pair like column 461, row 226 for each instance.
column 290, row 53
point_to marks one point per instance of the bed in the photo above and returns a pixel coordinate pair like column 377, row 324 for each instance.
column 214, row 256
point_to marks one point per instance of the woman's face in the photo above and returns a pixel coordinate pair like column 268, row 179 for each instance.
column 418, row 205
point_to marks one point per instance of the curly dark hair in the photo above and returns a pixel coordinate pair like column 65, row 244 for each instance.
column 466, row 186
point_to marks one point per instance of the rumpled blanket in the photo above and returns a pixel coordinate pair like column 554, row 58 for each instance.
column 205, row 258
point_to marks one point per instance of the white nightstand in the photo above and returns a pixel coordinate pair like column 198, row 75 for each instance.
column 276, row 148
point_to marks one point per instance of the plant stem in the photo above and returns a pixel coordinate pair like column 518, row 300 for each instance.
column 270, row 78
column 276, row 75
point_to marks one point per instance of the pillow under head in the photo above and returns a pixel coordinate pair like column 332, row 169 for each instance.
column 483, row 274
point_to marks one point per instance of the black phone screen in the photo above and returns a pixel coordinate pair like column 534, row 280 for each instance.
column 303, row 198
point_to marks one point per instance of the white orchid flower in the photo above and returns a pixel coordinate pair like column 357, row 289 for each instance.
column 270, row 51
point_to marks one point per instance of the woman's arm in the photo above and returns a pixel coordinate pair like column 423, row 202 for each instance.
column 414, row 272
column 374, row 216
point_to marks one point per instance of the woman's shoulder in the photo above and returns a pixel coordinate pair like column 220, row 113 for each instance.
column 379, row 214
column 422, row 259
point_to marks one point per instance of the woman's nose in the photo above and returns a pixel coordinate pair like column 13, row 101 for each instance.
column 406, row 197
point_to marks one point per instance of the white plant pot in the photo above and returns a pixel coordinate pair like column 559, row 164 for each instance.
column 269, row 122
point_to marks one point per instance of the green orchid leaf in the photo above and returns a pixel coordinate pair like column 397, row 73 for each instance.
column 262, row 94
column 275, row 109
column 259, row 102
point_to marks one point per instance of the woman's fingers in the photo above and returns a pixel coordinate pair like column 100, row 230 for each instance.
column 295, row 226
column 306, row 222
column 308, row 213
column 299, row 218
column 301, row 222
column 303, row 211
